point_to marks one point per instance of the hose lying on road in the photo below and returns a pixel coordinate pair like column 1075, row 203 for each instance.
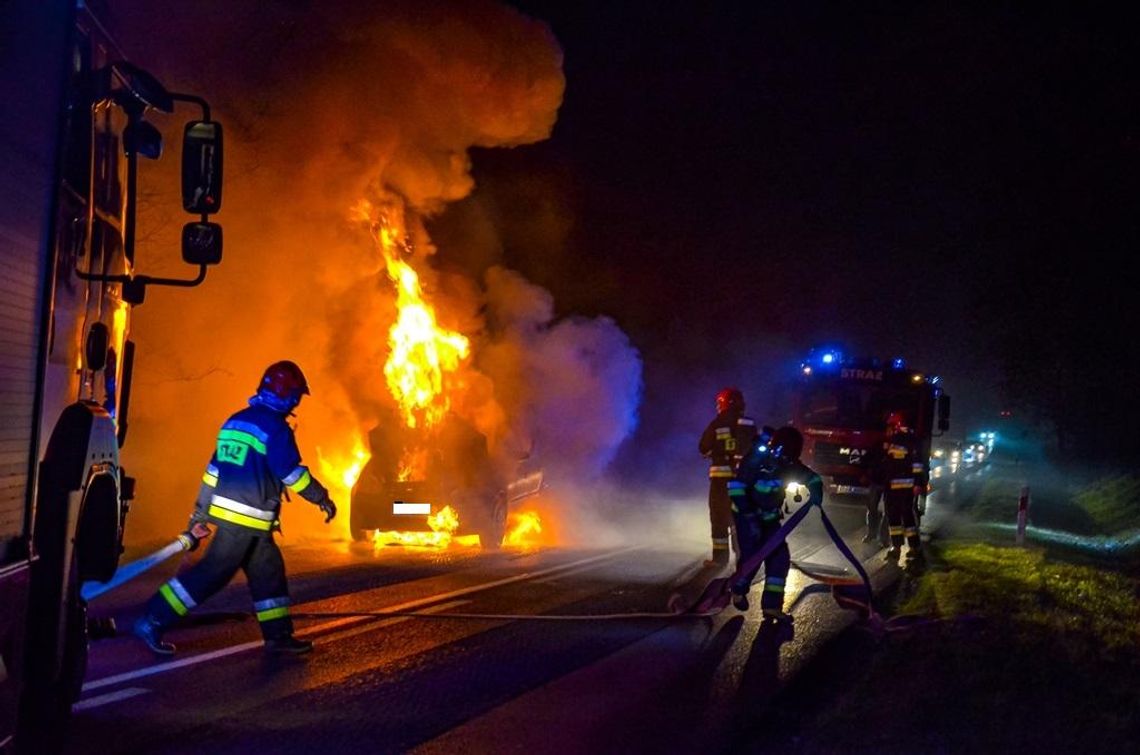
column 659, row 615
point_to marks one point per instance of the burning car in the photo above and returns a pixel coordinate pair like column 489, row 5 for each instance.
column 444, row 481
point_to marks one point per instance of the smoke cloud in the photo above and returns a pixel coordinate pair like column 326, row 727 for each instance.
column 325, row 105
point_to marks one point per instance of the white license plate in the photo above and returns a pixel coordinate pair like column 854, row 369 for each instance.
column 411, row 509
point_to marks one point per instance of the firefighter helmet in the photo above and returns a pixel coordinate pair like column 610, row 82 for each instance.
column 285, row 381
column 787, row 443
column 896, row 422
column 729, row 398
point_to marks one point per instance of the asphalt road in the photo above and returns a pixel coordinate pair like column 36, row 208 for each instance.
column 559, row 651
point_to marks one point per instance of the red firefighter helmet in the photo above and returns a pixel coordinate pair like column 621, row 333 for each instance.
column 729, row 398
column 284, row 380
column 896, row 422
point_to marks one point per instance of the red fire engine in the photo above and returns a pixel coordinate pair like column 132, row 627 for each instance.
column 75, row 125
column 840, row 404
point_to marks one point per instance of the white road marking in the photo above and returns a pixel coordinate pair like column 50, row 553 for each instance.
column 160, row 668
column 110, row 697
column 372, row 625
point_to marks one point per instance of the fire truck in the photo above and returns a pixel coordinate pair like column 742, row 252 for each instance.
column 77, row 119
column 841, row 403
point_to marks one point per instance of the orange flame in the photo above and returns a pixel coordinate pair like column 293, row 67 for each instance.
column 524, row 529
column 443, row 525
column 421, row 351
column 341, row 470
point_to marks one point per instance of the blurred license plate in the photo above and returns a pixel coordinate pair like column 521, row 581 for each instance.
column 399, row 507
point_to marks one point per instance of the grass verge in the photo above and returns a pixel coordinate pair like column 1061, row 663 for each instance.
column 1021, row 652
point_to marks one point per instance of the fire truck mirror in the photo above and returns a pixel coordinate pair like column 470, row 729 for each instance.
column 202, row 167
column 95, row 350
column 202, row 243
column 943, row 412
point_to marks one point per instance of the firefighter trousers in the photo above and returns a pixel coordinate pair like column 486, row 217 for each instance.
column 902, row 521
column 720, row 519
column 753, row 533
column 231, row 548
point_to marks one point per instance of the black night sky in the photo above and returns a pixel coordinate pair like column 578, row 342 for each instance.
column 954, row 183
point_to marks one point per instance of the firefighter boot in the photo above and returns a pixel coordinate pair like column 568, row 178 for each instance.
column 150, row 631
column 720, row 557
column 914, row 554
column 740, row 601
column 873, row 519
column 288, row 644
column 777, row 615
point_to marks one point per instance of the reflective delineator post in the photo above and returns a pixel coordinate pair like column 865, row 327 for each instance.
column 1022, row 513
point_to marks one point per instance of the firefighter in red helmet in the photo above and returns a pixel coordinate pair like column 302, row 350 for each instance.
column 255, row 461
column 896, row 467
column 724, row 442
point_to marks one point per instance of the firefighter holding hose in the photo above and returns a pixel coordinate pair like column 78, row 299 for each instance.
column 758, row 490
column 255, row 461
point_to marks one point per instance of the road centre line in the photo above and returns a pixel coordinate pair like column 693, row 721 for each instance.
column 371, row 625
column 160, row 668
column 111, row 697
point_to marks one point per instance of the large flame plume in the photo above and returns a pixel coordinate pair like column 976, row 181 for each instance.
column 421, row 352
column 391, row 100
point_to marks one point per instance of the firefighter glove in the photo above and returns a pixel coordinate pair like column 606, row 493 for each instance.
column 329, row 509
column 192, row 537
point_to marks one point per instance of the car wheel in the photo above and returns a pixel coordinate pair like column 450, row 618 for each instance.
column 494, row 526
column 356, row 524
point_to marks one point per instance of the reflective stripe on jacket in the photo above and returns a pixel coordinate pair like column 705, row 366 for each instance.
column 725, row 441
column 255, row 460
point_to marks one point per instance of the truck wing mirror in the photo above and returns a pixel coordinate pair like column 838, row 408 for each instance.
column 202, row 167
column 202, row 243
column 943, row 412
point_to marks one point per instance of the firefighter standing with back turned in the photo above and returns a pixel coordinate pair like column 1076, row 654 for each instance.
column 724, row 442
column 254, row 462
column 897, row 468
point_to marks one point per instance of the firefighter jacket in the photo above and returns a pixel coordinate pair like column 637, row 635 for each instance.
column 896, row 464
column 255, row 460
column 762, row 481
column 725, row 441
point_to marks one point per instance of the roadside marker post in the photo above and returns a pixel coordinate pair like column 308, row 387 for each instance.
column 1022, row 513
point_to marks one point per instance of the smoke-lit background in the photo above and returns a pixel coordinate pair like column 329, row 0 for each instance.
column 628, row 206
column 324, row 107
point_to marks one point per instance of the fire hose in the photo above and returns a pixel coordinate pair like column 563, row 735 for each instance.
column 185, row 542
column 848, row 592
